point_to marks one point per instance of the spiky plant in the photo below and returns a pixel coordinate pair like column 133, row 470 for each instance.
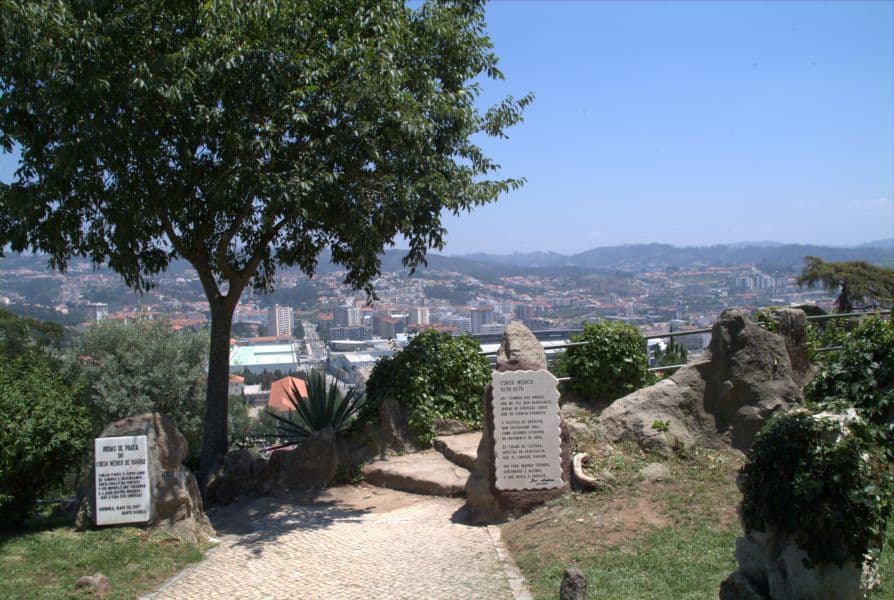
column 324, row 406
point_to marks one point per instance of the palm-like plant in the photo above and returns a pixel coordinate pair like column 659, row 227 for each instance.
column 324, row 406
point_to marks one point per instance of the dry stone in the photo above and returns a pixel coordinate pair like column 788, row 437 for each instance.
column 574, row 585
column 176, row 505
column 746, row 377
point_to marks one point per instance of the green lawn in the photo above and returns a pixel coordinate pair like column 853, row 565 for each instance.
column 46, row 560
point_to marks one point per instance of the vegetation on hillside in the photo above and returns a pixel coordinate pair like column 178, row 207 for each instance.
column 45, row 418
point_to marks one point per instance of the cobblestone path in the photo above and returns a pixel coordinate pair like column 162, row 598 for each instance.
column 350, row 543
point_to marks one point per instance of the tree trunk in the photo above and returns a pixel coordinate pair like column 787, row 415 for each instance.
column 214, row 439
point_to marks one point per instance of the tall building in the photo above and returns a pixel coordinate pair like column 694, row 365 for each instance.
column 279, row 320
column 346, row 316
column 481, row 316
column 97, row 311
column 418, row 316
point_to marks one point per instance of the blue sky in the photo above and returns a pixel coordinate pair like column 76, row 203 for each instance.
column 689, row 123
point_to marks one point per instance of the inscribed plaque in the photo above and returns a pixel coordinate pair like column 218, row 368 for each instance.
column 527, row 434
column 122, row 480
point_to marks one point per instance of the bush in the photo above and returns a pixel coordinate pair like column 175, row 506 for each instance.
column 861, row 373
column 437, row 376
column 830, row 492
column 612, row 364
column 145, row 367
column 44, row 430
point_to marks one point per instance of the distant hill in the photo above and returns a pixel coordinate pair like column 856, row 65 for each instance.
column 640, row 257
column 610, row 261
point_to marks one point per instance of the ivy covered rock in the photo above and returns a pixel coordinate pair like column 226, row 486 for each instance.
column 816, row 500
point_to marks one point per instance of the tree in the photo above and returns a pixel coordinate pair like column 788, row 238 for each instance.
column 673, row 354
column 143, row 367
column 243, row 136
column 857, row 282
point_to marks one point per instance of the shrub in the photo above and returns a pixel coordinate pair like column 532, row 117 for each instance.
column 324, row 406
column 862, row 374
column 437, row 376
column 145, row 367
column 612, row 362
column 830, row 492
column 44, row 430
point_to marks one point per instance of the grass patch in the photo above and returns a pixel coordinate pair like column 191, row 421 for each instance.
column 45, row 560
column 665, row 563
column 639, row 539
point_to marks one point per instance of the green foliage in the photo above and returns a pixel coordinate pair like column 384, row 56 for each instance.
column 857, row 282
column 673, row 354
column 325, row 406
column 661, row 425
column 437, row 376
column 44, row 430
column 764, row 317
column 145, row 367
column 22, row 334
column 612, row 362
column 862, row 374
column 833, row 497
column 239, row 425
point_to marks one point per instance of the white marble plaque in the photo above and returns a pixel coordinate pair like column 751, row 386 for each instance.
column 122, row 480
column 527, row 434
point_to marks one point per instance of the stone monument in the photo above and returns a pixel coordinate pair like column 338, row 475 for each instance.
column 138, row 478
column 524, row 456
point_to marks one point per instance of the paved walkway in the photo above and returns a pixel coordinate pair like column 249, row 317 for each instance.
column 350, row 542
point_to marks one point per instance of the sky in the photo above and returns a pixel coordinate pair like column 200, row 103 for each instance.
column 690, row 123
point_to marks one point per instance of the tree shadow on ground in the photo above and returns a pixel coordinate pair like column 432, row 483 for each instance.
column 254, row 522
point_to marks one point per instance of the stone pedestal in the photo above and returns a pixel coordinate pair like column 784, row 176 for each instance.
column 519, row 351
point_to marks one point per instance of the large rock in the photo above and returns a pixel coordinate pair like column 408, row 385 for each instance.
column 519, row 350
column 746, row 377
column 176, row 505
column 310, row 465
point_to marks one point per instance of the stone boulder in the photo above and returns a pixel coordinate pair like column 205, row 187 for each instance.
column 310, row 465
column 748, row 375
column 519, row 350
column 176, row 505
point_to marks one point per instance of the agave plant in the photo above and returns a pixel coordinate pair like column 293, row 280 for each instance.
column 324, row 406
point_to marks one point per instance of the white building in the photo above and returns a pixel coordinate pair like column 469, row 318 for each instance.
column 279, row 321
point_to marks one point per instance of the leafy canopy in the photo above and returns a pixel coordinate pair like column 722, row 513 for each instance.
column 143, row 367
column 857, row 282
column 831, row 492
column 610, row 363
column 242, row 135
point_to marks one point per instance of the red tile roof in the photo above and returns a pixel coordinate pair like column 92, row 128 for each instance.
column 280, row 391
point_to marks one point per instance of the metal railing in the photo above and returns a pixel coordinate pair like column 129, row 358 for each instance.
column 551, row 333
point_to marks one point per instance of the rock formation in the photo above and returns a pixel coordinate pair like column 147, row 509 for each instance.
column 748, row 374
